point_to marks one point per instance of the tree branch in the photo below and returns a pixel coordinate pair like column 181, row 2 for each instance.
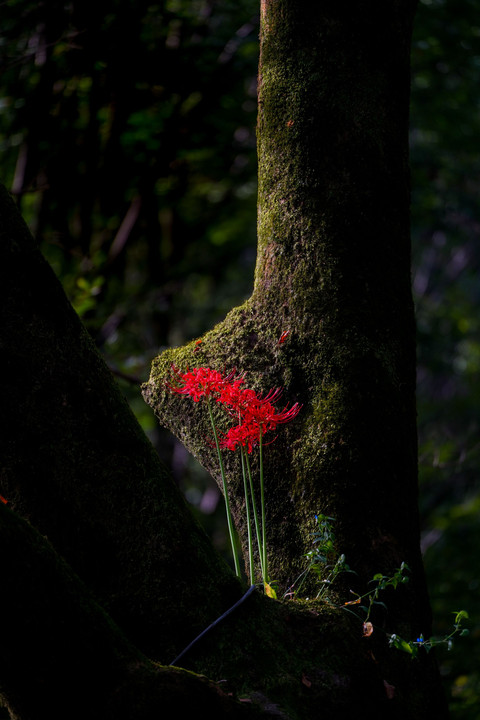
column 76, row 463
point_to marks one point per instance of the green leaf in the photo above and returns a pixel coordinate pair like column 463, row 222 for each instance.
column 401, row 644
column 461, row 615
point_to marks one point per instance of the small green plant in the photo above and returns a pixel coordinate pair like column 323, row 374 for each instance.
column 412, row 647
column 380, row 583
column 322, row 560
column 327, row 565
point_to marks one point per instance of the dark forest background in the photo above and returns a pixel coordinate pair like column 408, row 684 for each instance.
column 127, row 136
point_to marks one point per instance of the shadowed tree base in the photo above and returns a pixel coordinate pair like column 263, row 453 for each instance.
column 62, row 655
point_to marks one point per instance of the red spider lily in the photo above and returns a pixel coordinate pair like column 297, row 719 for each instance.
column 199, row 382
column 240, row 436
column 256, row 414
column 257, row 418
column 265, row 416
column 243, row 435
column 242, row 399
column 230, row 394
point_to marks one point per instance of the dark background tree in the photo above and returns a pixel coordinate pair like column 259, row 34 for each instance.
column 101, row 125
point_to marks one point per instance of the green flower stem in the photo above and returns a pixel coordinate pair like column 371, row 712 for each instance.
column 262, row 505
column 225, row 492
column 254, row 505
column 249, row 529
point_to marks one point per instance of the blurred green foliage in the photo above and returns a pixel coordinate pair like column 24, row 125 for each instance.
column 127, row 136
column 445, row 161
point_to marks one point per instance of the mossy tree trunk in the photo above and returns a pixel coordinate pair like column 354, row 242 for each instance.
column 333, row 270
column 76, row 464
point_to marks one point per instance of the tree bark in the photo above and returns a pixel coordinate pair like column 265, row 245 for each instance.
column 62, row 656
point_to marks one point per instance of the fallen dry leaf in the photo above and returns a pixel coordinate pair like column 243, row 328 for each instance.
column 367, row 629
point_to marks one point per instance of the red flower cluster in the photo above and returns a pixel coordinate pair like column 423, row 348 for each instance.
column 199, row 382
column 256, row 415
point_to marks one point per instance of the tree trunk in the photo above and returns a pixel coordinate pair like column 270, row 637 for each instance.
column 333, row 270
column 75, row 463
